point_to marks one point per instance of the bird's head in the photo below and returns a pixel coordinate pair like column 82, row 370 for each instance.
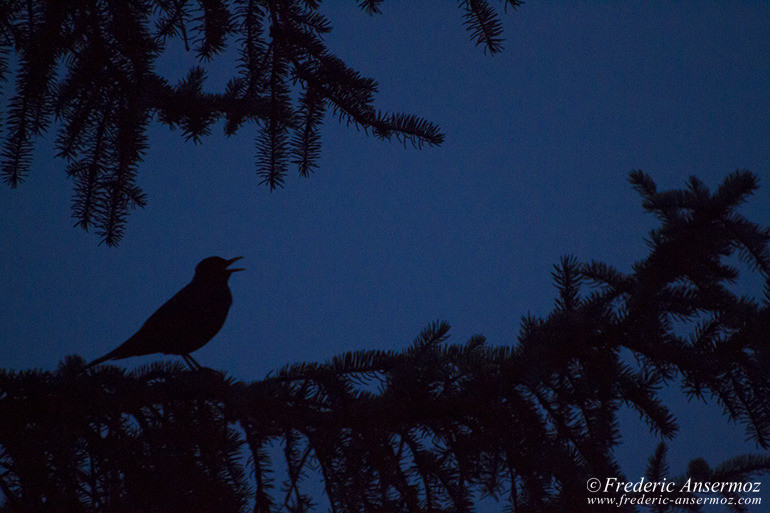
column 215, row 267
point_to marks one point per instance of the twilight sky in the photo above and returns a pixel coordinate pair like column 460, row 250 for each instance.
column 383, row 239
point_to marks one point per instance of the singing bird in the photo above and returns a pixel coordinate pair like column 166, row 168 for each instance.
column 187, row 321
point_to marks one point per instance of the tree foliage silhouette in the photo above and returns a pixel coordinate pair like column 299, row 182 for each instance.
column 90, row 66
column 432, row 427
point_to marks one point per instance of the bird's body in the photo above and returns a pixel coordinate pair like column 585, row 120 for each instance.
column 187, row 321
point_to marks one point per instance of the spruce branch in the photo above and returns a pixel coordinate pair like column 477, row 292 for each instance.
column 82, row 62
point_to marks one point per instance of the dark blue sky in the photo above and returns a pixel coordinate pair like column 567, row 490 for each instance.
column 383, row 239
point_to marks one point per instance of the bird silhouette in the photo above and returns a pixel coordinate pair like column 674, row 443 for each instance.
column 187, row 321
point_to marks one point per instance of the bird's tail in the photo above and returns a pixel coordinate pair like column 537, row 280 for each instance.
column 124, row 350
column 98, row 361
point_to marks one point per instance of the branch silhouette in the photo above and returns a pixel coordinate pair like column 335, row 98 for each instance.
column 434, row 426
column 90, row 67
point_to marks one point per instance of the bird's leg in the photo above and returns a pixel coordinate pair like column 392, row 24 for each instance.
column 191, row 362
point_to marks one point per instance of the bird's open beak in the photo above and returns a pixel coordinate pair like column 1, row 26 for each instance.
column 230, row 262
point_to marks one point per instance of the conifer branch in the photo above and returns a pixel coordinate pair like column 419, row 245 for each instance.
column 81, row 61
column 483, row 24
